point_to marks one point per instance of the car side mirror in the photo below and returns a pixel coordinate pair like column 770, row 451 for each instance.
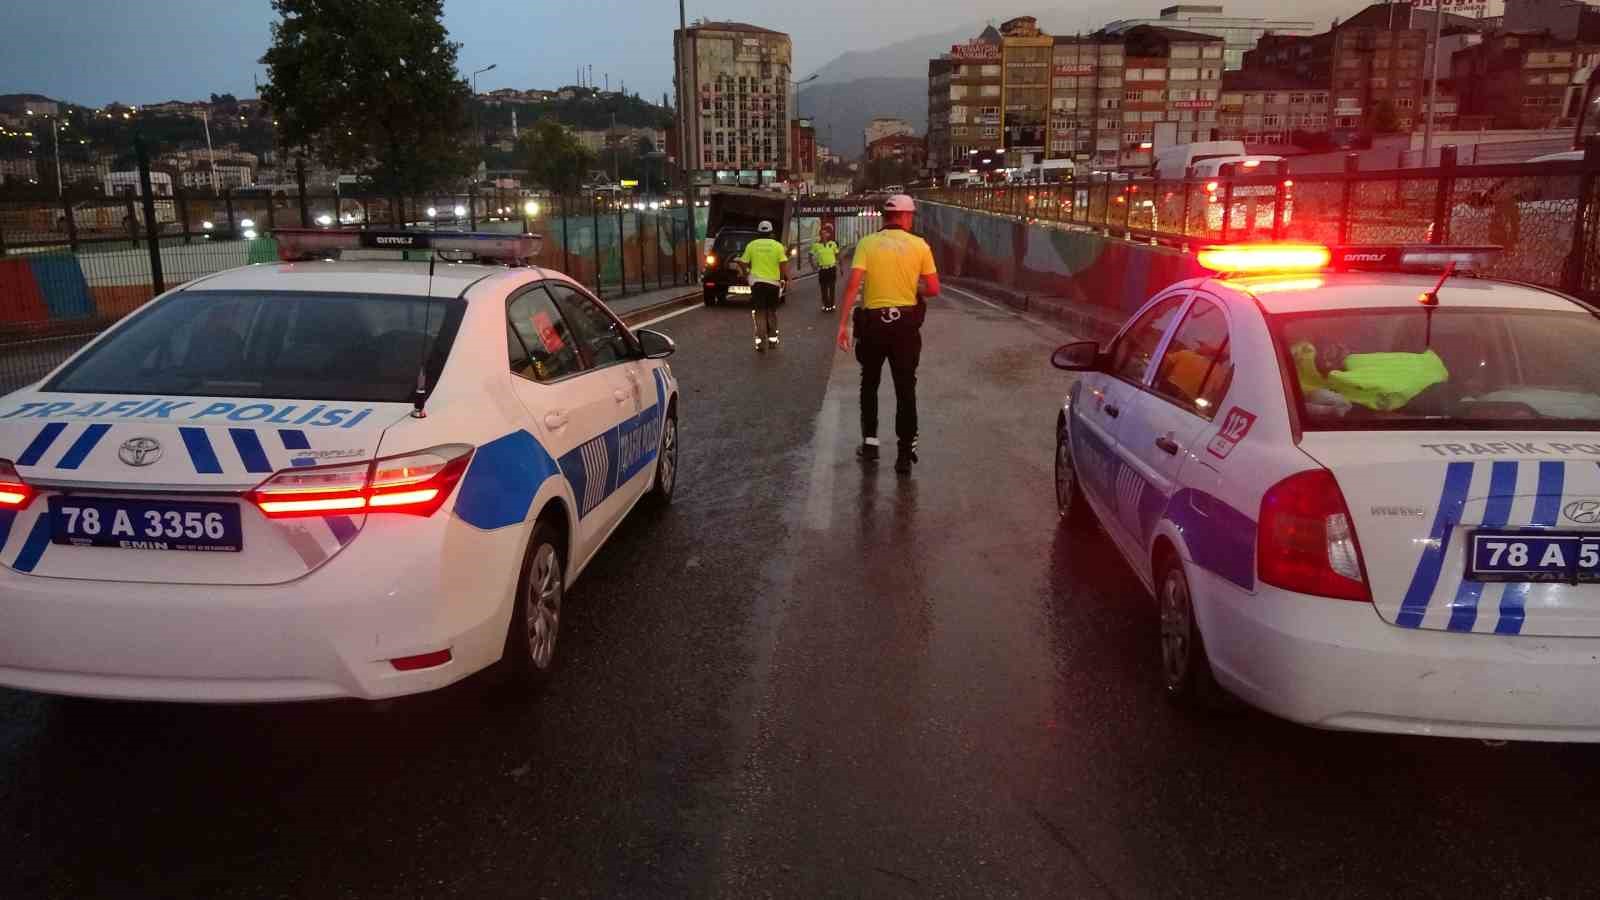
column 654, row 344
column 1078, row 356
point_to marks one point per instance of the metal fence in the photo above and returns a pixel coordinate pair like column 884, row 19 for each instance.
column 1543, row 215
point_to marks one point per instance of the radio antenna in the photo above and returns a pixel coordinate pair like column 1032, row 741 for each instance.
column 420, row 395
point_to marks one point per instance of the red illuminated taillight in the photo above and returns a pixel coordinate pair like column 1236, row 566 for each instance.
column 1306, row 541
column 415, row 483
column 14, row 492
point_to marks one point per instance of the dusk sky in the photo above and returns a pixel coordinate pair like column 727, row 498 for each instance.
column 97, row 51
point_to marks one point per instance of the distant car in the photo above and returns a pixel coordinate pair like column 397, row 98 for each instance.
column 1356, row 510
column 722, row 280
column 325, row 479
column 1252, row 206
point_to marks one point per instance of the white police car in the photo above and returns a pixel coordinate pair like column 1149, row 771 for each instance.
column 1365, row 499
column 324, row 479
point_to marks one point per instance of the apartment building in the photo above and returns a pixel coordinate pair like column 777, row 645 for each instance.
column 734, row 91
column 1520, row 79
column 1239, row 33
column 964, row 117
column 1264, row 107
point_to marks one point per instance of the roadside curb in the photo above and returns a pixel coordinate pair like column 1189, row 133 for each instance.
column 634, row 316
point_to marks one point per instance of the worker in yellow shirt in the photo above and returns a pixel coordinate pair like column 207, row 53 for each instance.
column 893, row 272
column 825, row 252
column 765, row 264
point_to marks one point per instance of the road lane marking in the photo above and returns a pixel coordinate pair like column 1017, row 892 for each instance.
column 1005, row 309
column 670, row 315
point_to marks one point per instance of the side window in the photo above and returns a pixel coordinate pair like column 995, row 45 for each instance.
column 1196, row 369
column 603, row 338
column 541, row 346
column 1131, row 357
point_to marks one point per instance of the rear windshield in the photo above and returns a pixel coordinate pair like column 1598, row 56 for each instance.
column 1445, row 368
column 733, row 244
column 290, row 345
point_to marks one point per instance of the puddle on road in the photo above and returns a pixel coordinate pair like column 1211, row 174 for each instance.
column 1012, row 365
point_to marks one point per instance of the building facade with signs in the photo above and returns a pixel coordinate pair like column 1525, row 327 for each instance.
column 964, row 89
column 736, row 102
column 1270, row 108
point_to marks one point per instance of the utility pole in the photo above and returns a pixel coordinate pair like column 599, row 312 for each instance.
column 1433, row 82
column 216, row 180
column 55, row 137
column 684, row 101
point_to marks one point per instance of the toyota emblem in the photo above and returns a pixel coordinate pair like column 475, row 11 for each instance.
column 1583, row 512
column 140, row 451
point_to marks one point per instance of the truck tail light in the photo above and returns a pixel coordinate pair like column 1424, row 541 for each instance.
column 415, row 483
column 711, row 260
column 14, row 492
column 1306, row 540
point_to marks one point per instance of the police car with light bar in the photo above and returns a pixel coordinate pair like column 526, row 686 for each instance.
column 1363, row 486
column 315, row 479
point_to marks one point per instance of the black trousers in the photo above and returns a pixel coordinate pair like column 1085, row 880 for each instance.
column 897, row 342
column 825, row 282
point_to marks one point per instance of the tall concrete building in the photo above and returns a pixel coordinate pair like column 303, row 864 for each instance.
column 1238, row 33
column 886, row 126
column 736, row 102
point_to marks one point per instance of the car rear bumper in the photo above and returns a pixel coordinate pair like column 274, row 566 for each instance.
column 1337, row 664
column 333, row 633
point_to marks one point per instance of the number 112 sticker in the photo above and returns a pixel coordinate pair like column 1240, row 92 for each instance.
column 1235, row 425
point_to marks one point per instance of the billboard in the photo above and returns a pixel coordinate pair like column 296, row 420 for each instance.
column 975, row 50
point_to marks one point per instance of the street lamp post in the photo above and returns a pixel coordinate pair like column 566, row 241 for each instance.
column 477, row 129
column 794, row 151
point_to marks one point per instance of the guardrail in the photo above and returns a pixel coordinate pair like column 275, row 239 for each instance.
column 1542, row 214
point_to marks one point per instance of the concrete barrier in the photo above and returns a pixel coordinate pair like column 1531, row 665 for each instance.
column 1076, row 275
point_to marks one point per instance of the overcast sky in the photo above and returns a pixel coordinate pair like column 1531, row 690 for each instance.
column 97, row 51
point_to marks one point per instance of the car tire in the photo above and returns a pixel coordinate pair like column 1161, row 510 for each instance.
column 1185, row 667
column 531, row 641
column 1071, row 505
column 667, row 460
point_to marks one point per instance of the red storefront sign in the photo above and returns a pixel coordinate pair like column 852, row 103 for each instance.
column 1193, row 104
column 975, row 50
column 1074, row 69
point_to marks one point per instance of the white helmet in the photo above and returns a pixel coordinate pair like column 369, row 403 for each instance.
column 899, row 203
column 765, row 227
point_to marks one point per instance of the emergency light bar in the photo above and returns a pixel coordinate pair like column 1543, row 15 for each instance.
column 1270, row 259
column 297, row 244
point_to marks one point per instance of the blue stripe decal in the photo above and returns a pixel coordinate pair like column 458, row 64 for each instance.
column 250, row 450
column 293, row 439
column 1552, row 483
column 344, row 530
column 1219, row 537
column 41, row 443
column 1502, row 490
column 7, row 516
column 1546, row 509
column 33, row 549
column 504, row 477
column 83, row 446
column 1457, row 481
column 200, row 452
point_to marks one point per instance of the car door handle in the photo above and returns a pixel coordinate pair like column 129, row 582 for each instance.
column 1112, row 411
column 621, row 396
column 555, row 421
column 1167, row 445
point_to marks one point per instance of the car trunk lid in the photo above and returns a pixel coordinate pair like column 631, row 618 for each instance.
column 161, row 480
column 1418, row 498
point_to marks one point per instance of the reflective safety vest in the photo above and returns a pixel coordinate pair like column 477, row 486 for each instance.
column 1377, row 381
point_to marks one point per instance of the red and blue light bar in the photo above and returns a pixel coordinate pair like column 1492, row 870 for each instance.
column 1288, row 258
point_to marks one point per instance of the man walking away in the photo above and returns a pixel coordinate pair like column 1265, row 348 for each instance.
column 826, row 254
column 765, row 264
column 894, row 273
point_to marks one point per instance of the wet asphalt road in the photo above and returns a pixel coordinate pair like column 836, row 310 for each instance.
column 803, row 679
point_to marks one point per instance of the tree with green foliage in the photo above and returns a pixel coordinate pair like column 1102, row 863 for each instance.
column 1385, row 119
column 372, row 89
column 554, row 157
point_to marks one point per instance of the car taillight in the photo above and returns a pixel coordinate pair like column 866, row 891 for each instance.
column 711, row 259
column 14, row 492
column 415, row 483
column 1306, row 542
